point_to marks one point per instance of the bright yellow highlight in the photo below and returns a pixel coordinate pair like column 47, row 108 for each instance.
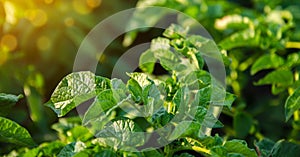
column 43, row 43
column 291, row 44
column 199, row 149
column 48, row 1
column 81, row 6
column 9, row 41
column 37, row 17
column 10, row 12
column 85, row 6
column 69, row 21
column 93, row 3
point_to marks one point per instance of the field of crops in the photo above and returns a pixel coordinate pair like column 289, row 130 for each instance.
column 143, row 78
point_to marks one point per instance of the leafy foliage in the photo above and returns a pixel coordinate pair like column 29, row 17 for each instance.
column 259, row 41
column 10, row 131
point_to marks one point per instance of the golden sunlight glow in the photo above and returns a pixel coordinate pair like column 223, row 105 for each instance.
column 43, row 43
column 69, row 21
column 48, row 1
column 81, row 6
column 10, row 13
column 37, row 17
column 9, row 41
column 93, row 3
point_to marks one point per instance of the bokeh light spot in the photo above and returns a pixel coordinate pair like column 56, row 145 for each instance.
column 93, row 3
column 81, row 6
column 37, row 17
column 48, row 1
column 10, row 12
column 69, row 21
column 43, row 43
column 9, row 41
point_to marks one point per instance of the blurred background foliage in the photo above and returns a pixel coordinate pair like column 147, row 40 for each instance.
column 38, row 43
column 39, row 40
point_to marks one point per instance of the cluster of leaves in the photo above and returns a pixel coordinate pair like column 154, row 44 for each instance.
column 260, row 37
column 177, row 102
column 10, row 131
column 38, row 33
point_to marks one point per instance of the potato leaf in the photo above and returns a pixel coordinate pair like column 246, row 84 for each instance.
column 267, row 61
column 12, row 132
column 122, row 133
column 72, row 149
column 280, row 77
column 292, row 104
column 284, row 148
column 7, row 101
column 74, row 89
column 239, row 147
column 264, row 147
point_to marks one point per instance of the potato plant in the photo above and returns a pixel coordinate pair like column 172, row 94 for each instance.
column 170, row 113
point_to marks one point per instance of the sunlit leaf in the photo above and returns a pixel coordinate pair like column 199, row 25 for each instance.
column 72, row 149
column 74, row 89
column 267, row 62
column 292, row 104
column 121, row 133
column 12, row 132
column 280, row 77
column 240, row 148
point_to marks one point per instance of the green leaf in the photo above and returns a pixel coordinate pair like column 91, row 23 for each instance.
column 7, row 101
column 264, row 147
column 292, row 104
column 211, row 141
column 121, row 133
column 239, row 147
column 12, row 132
column 72, row 149
column 49, row 149
column 242, row 123
column 218, row 99
column 35, row 101
column 106, row 153
column 280, row 77
column 175, row 31
column 142, row 79
column 74, row 89
column 154, row 152
column 284, row 148
column 147, row 61
column 293, row 60
column 160, row 44
column 168, row 60
column 196, row 79
column 267, row 61
column 206, row 118
column 104, row 101
column 79, row 133
column 185, row 129
column 244, row 38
